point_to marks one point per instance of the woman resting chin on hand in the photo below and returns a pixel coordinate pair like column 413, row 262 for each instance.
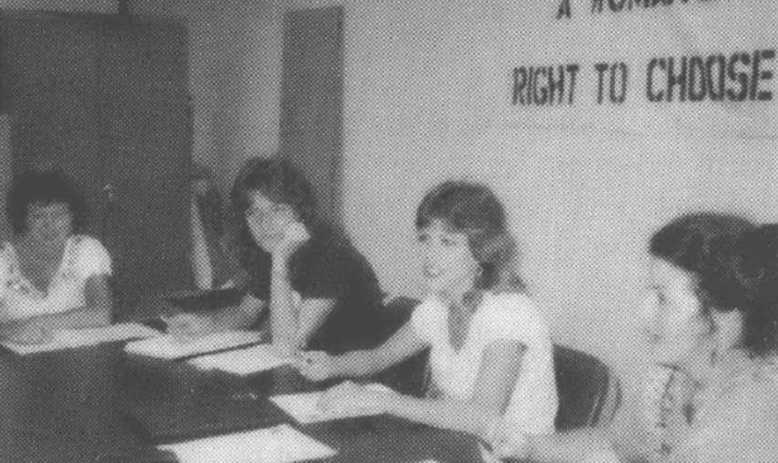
column 320, row 292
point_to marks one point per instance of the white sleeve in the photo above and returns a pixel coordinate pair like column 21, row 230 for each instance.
column 423, row 320
column 514, row 318
column 92, row 259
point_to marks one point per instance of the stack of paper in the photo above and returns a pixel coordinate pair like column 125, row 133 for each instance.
column 281, row 444
column 304, row 408
column 244, row 361
column 170, row 347
column 72, row 338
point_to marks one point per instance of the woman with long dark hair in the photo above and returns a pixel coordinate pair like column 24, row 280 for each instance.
column 320, row 292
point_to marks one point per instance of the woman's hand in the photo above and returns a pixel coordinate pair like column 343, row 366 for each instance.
column 27, row 332
column 294, row 234
column 506, row 440
column 315, row 365
column 186, row 326
column 349, row 398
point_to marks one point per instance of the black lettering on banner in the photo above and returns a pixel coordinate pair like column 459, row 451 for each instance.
column 618, row 6
column 674, row 79
column 601, row 68
column 698, row 84
column 737, row 77
column 519, row 84
column 544, row 85
column 618, row 73
column 556, row 87
column 740, row 77
column 540, row 91
column 716, row 80
column 757, row 74
column 564, row 10
column 573, row 70
column 652, row 66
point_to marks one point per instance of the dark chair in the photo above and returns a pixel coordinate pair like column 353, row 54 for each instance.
column 409, row 376
column 589, row 393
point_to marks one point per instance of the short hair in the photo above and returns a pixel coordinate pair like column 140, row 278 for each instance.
column 474, row 210
column 44, row 188
column 281, row 182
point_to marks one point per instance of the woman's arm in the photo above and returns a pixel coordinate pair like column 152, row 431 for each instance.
column 318, row 366
column 96, row 312
column 283, row 317
column 188, row 325
column 495, row 383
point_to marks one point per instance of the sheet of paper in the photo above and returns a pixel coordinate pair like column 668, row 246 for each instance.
column 72, row 338
column 280, row 444
column 304, row 408
column 244, row 361
column 169, row 347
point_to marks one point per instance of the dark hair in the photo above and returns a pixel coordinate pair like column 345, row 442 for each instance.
column 703, row 244
column 757, row 251
column 473, row 209
column 44, row 188
column 281, row 182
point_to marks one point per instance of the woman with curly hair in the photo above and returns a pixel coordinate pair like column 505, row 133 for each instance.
column 51, row 275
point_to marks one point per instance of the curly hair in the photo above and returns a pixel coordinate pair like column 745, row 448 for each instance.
column 473, row 210
column 44, row 188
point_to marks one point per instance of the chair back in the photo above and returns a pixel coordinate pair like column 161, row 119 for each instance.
column 589, row 393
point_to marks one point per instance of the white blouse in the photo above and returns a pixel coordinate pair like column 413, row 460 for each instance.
column 513, row 317
column 82, row 258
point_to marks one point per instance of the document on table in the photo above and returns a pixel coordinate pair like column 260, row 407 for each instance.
column 280, row 444
column 304, row 408
column 72, row 338
column 244, row 361
column 170, row 347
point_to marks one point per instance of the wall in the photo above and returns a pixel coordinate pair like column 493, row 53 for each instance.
column 235, row 77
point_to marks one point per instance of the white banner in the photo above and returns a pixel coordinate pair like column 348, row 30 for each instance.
column 640, row 66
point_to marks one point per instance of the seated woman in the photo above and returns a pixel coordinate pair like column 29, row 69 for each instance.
column 491, row 354
column 322, row 293
column 714, row 322
column 50, row 276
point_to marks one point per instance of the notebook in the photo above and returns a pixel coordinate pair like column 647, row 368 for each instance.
column 169, row 347
column 304, row 407
column 279, row 444
column 73, row 338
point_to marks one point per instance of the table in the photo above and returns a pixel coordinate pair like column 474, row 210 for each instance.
column 72, row 406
